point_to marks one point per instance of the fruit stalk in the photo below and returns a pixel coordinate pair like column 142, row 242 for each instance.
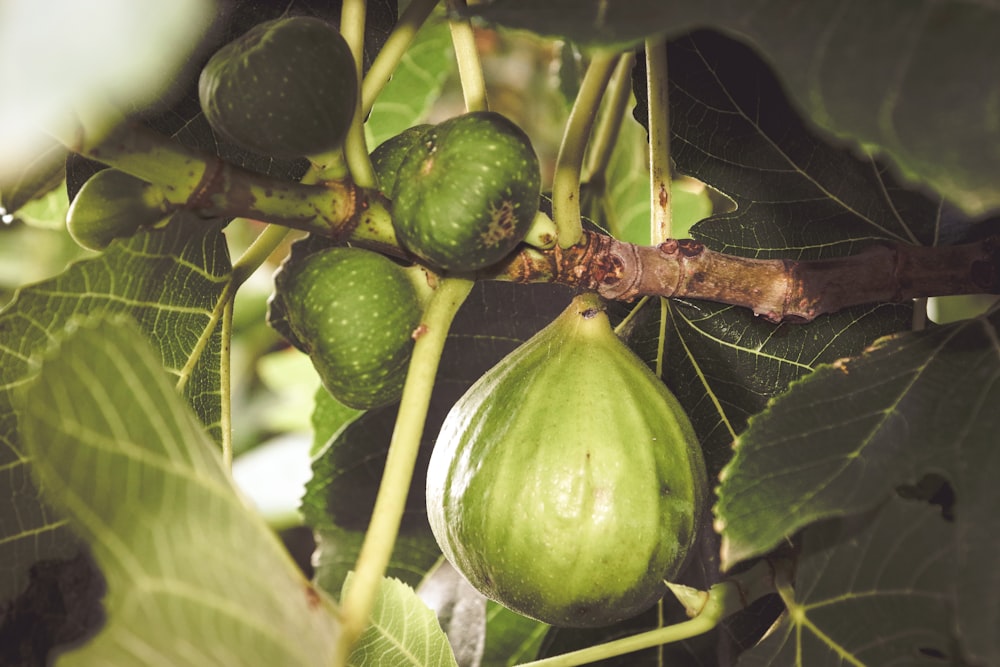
column 569, row 161
column 659, row 139
column 778, row 290
column 403, row 447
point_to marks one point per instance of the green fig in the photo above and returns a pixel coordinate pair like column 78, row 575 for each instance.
column 113, row 204
column 567, row 483
column 467, row 193
column 287, row 88
column 388, row 156
column 353, row 311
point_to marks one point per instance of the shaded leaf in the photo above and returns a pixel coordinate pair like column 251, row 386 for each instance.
column 194, row 576
column 895, row 77
column 403, row 631
column 170, row 281
column 337, row 551
column 510, row 638
column 873, row 589
column 843, row 438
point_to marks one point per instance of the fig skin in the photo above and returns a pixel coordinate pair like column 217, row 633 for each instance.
column 286, row 88
column 353, row 311
column 112, row 205
column 466, row 194
column 567, row 484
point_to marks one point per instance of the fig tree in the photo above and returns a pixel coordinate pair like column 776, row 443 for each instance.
column 286, row 88
column 113, row 204
column 466, row 194
column 353, row 311
column 567, row 483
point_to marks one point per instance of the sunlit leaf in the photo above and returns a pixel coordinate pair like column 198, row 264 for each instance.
column 170, row 282
column 194, row 576
column 403, row 632
column 415, row 85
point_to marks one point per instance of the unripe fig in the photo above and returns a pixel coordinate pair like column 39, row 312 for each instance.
column 353, row 311
column 466, row 194
column 568, row 483
column 388, row 156
column 286, row 88
column 113, row 204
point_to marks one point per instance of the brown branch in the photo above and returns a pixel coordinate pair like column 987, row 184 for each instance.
column 775, row 289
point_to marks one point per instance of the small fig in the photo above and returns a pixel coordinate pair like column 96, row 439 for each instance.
column 567, row 483
column 113, row 204
column 287, row 88
column 353, row 311
column 466, row 194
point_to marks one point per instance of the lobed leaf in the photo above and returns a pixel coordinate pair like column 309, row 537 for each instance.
column 842, row 439
column 194, row 576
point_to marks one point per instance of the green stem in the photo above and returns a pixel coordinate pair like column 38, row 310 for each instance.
column 393, row 50
column 470, row 70
column 720, row 600
column 352, row 27
column 659, row 140
column 569, row 162
column 390, row 503
column 610, row 122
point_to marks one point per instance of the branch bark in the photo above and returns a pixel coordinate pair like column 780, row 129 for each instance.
column 775, row 289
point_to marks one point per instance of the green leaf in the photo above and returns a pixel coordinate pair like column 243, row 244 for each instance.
column 873, row 589
column 841, row 440
column 510, row 638
column 416, row 84
column 194, row 576
column 891, row 76
column 403, row 631
column 171, row 282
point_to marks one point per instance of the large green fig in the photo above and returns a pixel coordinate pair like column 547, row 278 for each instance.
column 567, row 483
column 467, row 193
column 353, row 311
column 286, row 88
column 113, row 204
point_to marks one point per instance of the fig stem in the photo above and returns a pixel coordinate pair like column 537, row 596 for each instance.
column 470, row 70
column 352, row 28
column 569, row 160
column 393, row 50
column 609, row 124
column 721, row 599
column 659, row 140
column 779, row 290
column 404, row 445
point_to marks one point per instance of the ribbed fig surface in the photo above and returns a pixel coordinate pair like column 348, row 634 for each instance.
column 466, row 194
column 567, row 483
